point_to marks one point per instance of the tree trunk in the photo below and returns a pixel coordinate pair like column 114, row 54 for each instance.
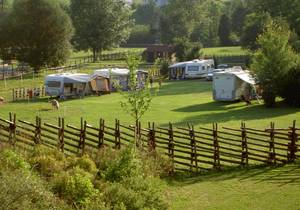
column 36, row 69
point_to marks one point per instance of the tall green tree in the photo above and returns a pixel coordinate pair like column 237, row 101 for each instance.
column 36, row 32
column 100, row 24
column 179, row 19
column 225, row 30
column 273, row 61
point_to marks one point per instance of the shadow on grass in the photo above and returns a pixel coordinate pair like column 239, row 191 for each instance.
column 278, row 175
column 219, row 113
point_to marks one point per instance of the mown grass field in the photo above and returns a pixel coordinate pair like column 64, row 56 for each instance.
column 178, row 102
column 260, row 188
column 223, row 51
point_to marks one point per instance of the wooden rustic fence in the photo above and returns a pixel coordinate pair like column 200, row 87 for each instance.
column 27, row 93
column 189, row 148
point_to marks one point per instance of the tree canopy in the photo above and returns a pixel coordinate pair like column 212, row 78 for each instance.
column 100, row 24
column 36, row 32
column 274, row 59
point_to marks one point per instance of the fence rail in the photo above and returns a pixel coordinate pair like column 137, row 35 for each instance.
column 189, row 148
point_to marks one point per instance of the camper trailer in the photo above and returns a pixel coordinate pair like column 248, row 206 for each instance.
column 232, row 84
column 67, row 85
column 191, row 69
column 114, row 76
column 120, row 77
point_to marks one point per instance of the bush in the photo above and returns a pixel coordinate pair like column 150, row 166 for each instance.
column 75, row 186
column 47, row 161
column 11, row 161
column 164, row 69
column 84, row 162
column 291, row 87
column 22, row 191
column 155, row 165
column 126, row 165
column 134, row 193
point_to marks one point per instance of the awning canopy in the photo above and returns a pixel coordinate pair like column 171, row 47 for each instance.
column 110, row 72
column 69, row 78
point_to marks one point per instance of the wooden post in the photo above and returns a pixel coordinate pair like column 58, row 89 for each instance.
column 292, row 146
column 12, row 129
column 193, row 148
column 171, row 145
column 244, row 159
column 37, row 133
column 101, row 133
column 272, row 154
column 82, row 136
column 216, row 147
column 13, row 94
column 151, row 137
column 117, row 134
column 61, row 130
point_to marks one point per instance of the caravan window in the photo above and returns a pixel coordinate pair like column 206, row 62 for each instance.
column 203, row 68
column 193, row 68
column 53, row 84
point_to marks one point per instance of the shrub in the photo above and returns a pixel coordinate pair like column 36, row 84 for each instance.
column 75, row 186
column 22, row 191
column 84, row 162
column 47, row 161
column 164, row 69
column 155, row 164
column 134, row 193
column 12, row 161
column 126, row 165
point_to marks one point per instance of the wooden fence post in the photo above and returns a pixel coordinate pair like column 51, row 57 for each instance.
column 117, row 134
column 82, row 136
column 244, row 160
column 216, row 147
column 292, row 146
column 272, row 154
column 12, row 129
column 171, row 145
column 151, row 137
column 193, row 148
column 38, row 129
column 61, row 130
column 101, row 133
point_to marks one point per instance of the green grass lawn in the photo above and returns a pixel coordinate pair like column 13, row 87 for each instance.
column 178, row 102
column 219, row 51
column 260, row 188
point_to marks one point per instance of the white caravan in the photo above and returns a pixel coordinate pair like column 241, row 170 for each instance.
column 67, row 84
column 191, row 69
column 232, row 84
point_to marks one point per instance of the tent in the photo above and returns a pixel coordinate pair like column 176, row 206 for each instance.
column 67, row 85
column 232, row 84
column 115, row 77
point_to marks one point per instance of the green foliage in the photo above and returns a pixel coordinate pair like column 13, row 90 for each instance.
column 179, row 19
column 137, row 100
column 225, row 31
column 164, row 68
column 75, row 186
column 124, row 166
column 290, row 90
column 273, row 61
column 36, row 32
column 84, row 162
column 10, row 160
column 186, row 50
column 47, row 161
column 23, row 191
column 134, row 193
column 100, row 24
column 141, row 34
column 254, row 25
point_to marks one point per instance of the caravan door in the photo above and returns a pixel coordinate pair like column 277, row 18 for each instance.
column 223, row 87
